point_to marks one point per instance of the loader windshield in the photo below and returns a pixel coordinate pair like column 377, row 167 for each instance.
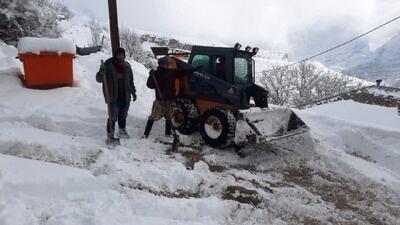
column 243, row 71
column 202, row 61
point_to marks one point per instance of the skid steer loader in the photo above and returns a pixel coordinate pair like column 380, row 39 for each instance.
column 222, row 101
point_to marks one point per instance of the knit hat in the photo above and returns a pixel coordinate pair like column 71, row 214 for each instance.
column 119, row 50
column 164, row 60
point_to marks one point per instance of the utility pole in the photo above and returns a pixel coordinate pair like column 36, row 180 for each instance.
column 112, row 12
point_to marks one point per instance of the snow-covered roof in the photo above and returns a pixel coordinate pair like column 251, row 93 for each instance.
column 38, row 45
column 373, row 95
column 385, row 92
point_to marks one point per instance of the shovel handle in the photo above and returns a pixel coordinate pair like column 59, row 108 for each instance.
column 107, row 95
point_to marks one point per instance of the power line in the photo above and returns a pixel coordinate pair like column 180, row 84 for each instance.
column 337, row 46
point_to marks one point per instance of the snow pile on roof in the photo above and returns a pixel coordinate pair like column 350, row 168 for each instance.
column 38, row 45
column 385, row 92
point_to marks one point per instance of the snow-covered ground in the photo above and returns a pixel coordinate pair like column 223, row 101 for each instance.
column 367, row 131
column 56, row 169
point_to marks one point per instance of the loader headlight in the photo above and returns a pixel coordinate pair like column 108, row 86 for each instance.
column 248, row 49
column 238, row 46
column 255, row 50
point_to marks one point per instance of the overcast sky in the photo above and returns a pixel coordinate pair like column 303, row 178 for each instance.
column 299, row 27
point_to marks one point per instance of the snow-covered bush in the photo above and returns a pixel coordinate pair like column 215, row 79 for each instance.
column 96, row 30
column 132, row 44
column 39, row 18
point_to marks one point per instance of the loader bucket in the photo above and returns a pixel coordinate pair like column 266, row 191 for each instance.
column 260, row 125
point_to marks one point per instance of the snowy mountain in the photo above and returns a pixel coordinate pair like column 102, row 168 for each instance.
column 348, row 56
column 358, row 60
column 383, row 63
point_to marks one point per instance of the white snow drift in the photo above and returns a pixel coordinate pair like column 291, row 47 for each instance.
column 37, row 45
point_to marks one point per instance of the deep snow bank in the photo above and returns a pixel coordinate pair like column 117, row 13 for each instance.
column 365, row 137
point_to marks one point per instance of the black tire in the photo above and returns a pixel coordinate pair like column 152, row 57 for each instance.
column 188, row 119
column 225, row 134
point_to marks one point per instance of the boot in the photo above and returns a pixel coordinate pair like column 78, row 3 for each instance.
column 122, row 133
column 110, row 127
column 168, row 126
column 110, row 135
column 147, row 130
column 111, row 140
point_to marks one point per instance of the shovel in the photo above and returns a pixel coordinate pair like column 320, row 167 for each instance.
column 111, row 141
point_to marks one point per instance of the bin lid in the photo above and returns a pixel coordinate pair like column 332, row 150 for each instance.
column 37, row 45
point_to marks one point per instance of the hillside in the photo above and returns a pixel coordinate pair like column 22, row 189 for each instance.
column 358, row 60
column 383, row 64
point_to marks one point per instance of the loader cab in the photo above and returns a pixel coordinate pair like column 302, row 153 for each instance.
column 229, row 64
column 243, row 70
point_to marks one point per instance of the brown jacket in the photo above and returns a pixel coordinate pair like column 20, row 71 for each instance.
column 110, row 72
column 166, row 81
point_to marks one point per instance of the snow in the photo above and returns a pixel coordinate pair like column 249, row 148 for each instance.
column 41, row 179
column 268, row 121
column 34, row 192
column 67, row 126
column 361, row 114
column 38, row 45
column 8, row 64
column 367, row 131
column 77, row 30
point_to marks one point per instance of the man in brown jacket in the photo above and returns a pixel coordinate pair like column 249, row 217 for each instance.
column 121, row 89
column 163, row 81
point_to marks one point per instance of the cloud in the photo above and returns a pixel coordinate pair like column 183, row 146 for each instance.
column 286, row 25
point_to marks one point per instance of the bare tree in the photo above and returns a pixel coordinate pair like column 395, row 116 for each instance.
column 332, row 84
column 96, row 31
column 306, row 78
column 278, row 83
column 306, row 83
column 132, row 44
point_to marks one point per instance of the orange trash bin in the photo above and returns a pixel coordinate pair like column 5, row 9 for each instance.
column 48, row 63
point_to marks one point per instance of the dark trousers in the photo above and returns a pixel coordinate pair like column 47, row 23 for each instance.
column 119, row 112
